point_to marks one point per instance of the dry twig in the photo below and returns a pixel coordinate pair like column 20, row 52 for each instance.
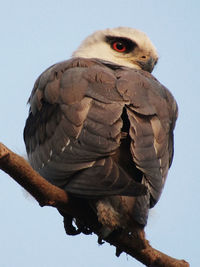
column 49, row 195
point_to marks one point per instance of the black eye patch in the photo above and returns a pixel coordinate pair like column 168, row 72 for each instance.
column 125, row 44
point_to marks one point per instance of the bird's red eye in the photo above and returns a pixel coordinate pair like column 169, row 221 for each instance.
column 119, row 47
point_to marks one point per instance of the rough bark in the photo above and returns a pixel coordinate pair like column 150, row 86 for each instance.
column 47, row 194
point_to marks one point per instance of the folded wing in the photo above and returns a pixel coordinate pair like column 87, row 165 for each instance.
column 78, row 138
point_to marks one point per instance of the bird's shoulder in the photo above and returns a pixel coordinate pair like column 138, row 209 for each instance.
column 63, row 97
column 67, row 81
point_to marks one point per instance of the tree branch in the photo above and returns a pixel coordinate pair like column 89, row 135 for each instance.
column 49, row 195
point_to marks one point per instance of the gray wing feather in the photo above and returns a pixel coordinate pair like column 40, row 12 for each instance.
column 152, row 113
column 74, row 137
column 74, row 128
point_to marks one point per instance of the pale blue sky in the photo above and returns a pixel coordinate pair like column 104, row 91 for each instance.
column 36, row 34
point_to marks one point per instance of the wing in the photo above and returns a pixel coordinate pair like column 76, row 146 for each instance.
column 74, row 128
column 94, row 128
column 152, row 113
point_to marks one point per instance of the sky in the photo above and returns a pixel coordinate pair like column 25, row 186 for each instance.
column 36, row 34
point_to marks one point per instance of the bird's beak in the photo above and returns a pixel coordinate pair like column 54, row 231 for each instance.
column 146, row 65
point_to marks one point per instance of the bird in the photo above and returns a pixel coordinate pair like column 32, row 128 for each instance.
column 100, row 126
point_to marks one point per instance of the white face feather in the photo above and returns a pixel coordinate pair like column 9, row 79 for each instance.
column 96, row 46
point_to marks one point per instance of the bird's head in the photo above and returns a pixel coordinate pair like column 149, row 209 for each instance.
column 123, row 45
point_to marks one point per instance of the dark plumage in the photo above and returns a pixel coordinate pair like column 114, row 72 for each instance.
column 98, row 129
